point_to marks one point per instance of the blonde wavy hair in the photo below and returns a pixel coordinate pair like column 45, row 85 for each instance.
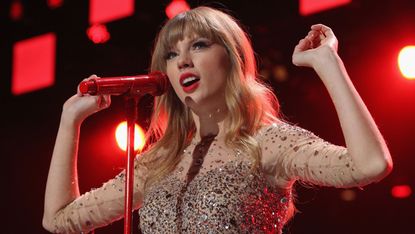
column 250, row 103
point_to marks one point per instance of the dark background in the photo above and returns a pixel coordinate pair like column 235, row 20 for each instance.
column 370, row 33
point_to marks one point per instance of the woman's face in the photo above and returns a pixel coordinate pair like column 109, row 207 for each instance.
column 197, row 69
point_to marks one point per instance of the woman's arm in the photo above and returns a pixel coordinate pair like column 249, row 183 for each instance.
column 62, row 183
column 364, row 142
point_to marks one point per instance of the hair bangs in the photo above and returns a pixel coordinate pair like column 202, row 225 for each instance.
column 187, row 24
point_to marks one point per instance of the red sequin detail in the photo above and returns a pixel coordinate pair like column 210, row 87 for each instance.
column 265, row 211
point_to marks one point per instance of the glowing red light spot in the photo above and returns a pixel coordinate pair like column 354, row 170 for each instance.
column 121, row 136
column 33, row 63
column 176, row 7
column 98, row 33
column 406, row 62
column 16, row 10
column 401, row 191
column 308, row 7
column 103, row 11
column 348, row 195
column 55, row 3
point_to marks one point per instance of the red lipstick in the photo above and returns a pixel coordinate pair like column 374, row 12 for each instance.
column 189, row 82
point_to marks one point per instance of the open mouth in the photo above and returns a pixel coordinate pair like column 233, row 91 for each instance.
column 189, row 81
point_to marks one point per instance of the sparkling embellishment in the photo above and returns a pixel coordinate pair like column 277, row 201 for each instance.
column 227, row 195
column 204, row 217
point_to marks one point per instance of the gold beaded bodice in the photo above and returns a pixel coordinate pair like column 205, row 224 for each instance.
column 223, row 194
column 227, row 196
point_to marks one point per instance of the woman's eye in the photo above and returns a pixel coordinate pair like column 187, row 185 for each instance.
column 200, row 45
column 170, row 55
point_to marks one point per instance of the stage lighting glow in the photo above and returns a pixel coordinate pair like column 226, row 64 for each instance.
column 348, row 195
column 176, row 7
column 308, row 7
column 406, row 62
column 401, row 191
column 16, row 10
column 98, row 33
column 55, row 3
column 33, row 64
column 121, row 136
column 103, row 11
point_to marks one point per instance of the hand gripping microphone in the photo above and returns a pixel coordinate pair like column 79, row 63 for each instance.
column 155, row 83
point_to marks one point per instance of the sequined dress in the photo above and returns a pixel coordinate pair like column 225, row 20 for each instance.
column 227, row 194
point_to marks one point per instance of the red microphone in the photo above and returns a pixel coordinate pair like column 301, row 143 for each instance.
column 155, row 83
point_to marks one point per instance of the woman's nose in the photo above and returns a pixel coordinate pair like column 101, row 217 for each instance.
column 184, row 61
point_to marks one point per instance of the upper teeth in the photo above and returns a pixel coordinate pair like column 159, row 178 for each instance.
column 189, row 79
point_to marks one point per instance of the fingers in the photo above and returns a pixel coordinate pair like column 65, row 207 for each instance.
column 104, row 101
column 319, row 41
column 312, row 40
column 326, row 31
column 300, row 55
column 320, row 34
column 303, row 44
column 315, row 37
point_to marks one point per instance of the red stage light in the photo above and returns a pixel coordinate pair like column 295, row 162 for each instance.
column 55, row 3
column 176, row 7
column 308, row 7
column 406, row 62
column 98, row 33
column 16, row 10
column 103, row 11
column 121, row 136
column 33, row 64
column 348, row 195
column 401, row 191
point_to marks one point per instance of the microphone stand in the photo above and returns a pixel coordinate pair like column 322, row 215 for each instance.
column 131, row 102
column 155, row 83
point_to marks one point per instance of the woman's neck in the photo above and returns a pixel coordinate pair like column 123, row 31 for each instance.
column 208, row 116
column 209, row 123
